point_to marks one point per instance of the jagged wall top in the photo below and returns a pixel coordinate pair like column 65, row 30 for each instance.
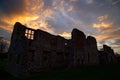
column 76, row 32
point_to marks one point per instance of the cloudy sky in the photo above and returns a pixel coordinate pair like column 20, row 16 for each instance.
column 99, row 18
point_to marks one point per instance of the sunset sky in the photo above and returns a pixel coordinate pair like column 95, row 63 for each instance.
column 99, row 18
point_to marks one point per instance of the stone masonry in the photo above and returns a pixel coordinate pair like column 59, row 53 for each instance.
column 36, row 50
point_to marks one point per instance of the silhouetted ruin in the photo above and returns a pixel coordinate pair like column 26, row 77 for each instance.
column 107, row 55
column 36, row 50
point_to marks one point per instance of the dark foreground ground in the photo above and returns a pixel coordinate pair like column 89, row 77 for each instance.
column 104, row 72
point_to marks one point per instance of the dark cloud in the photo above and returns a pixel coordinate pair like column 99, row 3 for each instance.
column 5, row 34
column 60, row 26
column 48, row 3
column 12, row 6
column 9, row 9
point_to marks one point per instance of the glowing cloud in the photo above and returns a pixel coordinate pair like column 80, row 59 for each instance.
column 32, row 12
column 23, row 18
column 65, row 34
column 102, row 25
column 41, row 25
column 113, row 34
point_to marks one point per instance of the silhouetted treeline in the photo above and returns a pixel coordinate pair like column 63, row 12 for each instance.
column 3, row 48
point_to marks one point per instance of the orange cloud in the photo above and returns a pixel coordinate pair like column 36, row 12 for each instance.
column 23, row 18
column 102, row 25
column 41, row 25
column 33, row 12
column 102, row 37
column 7, row 28
column 35, row 5
column 47, row 13
column 106, row 36
column 101, row 18
column 11, row 19
column 65, row 34
column 70, row 8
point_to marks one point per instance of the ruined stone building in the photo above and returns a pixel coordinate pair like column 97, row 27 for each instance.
column 36, row 50
column 84, row 49
column 107, row 55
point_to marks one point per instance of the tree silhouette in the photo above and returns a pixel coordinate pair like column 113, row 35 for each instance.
column 3, row 45
column 3, row 48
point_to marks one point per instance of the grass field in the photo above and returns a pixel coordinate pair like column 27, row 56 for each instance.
column 105, row 72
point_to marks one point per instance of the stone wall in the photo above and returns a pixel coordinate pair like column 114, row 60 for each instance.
column 78, row 46
column 36, row 50
column 92, row 50
column 109, row 54
column 17, row 50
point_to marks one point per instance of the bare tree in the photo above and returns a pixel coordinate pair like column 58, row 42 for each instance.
column 3, row 45
column 3, row 48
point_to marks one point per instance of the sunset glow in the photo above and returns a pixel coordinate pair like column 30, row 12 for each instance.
column 102, row 25
column 99, row 18
column 66, row 35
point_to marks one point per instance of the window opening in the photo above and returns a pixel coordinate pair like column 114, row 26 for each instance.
column 29, row 34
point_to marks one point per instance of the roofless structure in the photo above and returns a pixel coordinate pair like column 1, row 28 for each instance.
column 36, row 50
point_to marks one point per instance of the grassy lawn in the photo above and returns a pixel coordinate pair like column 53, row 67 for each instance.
column 2, row 63
column 106, row 72
column 82, row 73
